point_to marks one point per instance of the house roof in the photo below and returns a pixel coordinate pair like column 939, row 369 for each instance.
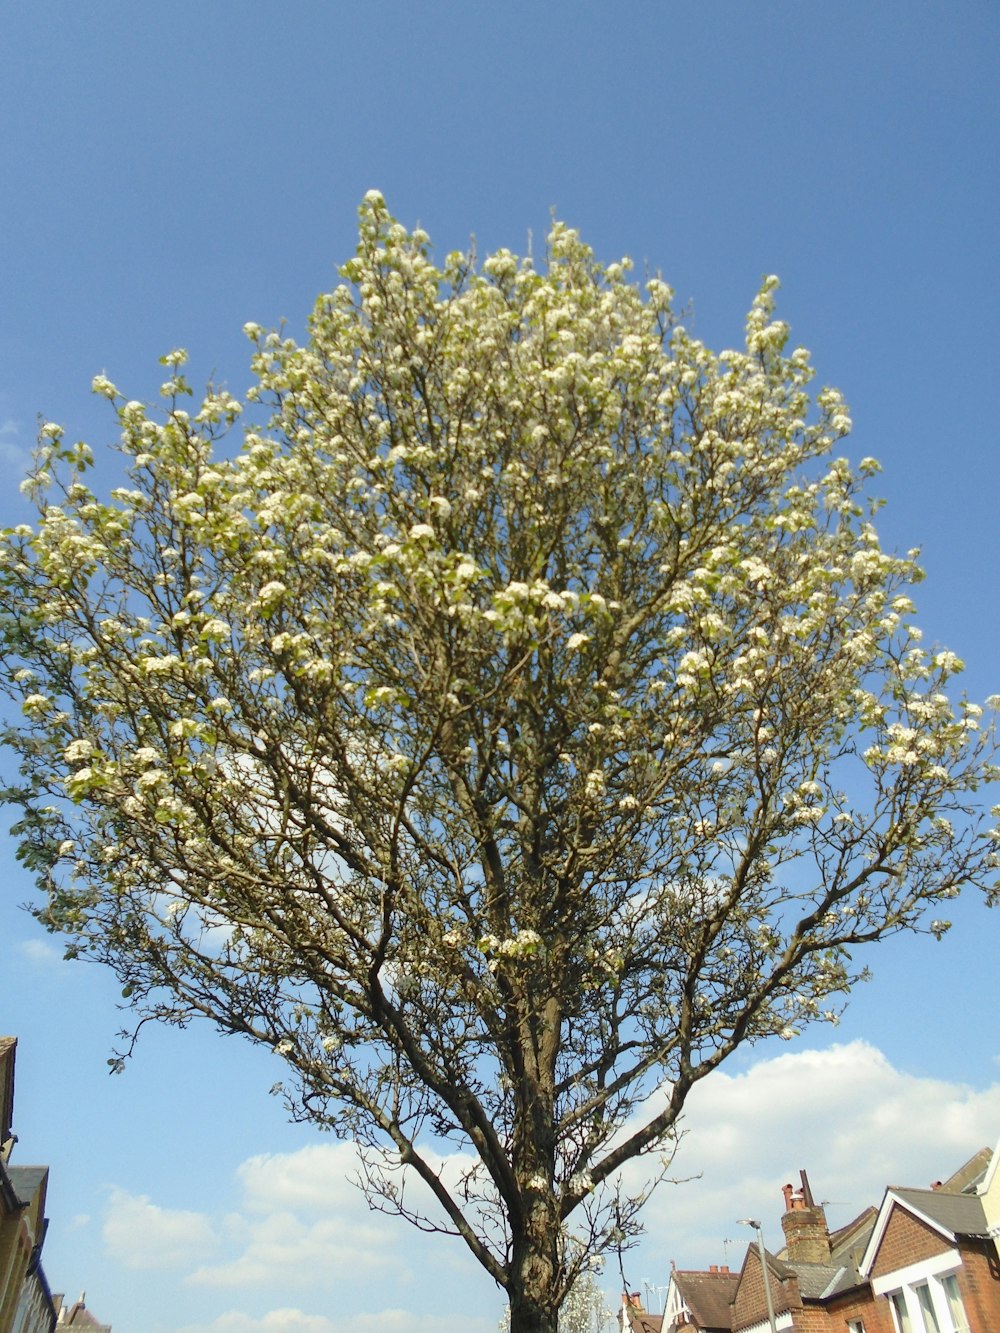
column 28, row 1181
column 815, row 1280
column 641, row 1321
column 780, row 1267
column 969, row 1174
column 8, row 1194
column 951, row 1215
column 959, row 1214
column 847, row 1279
column 708, row 1296
column 8, row 1050
column 990, row 1172
column 853, row 1236
column 78, row 1316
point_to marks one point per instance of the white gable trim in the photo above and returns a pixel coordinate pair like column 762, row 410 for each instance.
column 891, row 1201
column 782, row 1321
column 936, row 1266
column 675, row 1303
column 987, row 1180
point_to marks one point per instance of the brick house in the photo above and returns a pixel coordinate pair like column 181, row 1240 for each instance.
column 26, row 1303
column 633, row 1317
column 925, row 1261
column 932, row 1260
column 701, row 1300
column 29, row 1303
column 78, row 1316
column 989, row 1192
column 815, row 1282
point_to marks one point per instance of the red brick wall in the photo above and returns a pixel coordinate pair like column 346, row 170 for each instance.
column 806, row 1237
column 812, row 1319
column 750, row 1305
column 906, row 1241
column 979, row 1283
column 874, row 1310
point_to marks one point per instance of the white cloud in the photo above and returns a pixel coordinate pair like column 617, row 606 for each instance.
column 276, row 1321
column 313, row 1179
column 303, row 1234
column 296, row 1321
column 41, row 952
column 848, row 1117
column 140, row 1234
column 13, row 453
column 313, row 1254
column 302, row 1215
column 321, row 1177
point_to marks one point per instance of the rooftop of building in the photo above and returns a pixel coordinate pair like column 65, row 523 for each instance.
column 708, row 1294
column 77, row 1315
column 959, row 1214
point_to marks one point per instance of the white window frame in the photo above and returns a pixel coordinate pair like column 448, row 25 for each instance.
column 956, row 1287
column 782, row 1322
column 930, row 1316
column 897, row 1323
column 907, row 1284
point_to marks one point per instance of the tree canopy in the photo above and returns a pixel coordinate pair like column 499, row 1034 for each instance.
column 504, row 714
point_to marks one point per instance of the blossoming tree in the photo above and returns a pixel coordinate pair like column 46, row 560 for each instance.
column 518, row 719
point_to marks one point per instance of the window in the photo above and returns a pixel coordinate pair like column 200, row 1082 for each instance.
column 931, row 1306
column 955, row 1307
column 900, row 1314
column 855, row 1326
column 927, row 1314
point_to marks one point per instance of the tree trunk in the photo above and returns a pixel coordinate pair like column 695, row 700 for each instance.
column 535, row 1269
column 531, row 1316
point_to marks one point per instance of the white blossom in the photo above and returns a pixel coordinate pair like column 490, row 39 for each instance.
column 501, row 728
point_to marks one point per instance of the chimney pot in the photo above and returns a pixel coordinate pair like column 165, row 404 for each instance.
column 807, row 1238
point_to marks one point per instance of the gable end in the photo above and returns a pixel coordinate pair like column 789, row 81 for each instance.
column 906, row 1240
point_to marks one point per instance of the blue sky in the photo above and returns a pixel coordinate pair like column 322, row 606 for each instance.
column 171, row 172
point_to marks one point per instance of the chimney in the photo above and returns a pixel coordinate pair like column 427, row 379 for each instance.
column 631, row 1305
column 807, row 1239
